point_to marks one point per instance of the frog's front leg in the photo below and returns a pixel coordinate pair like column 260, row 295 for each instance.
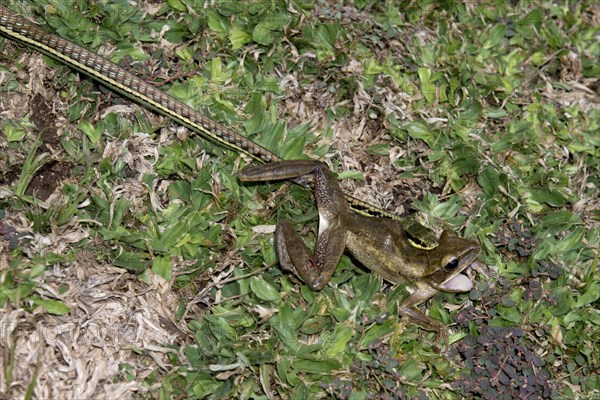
column 408, row 309
column 315, row 270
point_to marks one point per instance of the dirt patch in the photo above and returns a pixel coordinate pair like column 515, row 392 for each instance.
column 44, row 120
column 47, row 179
column 33, row 99
column 49, row 176
column 53, row 173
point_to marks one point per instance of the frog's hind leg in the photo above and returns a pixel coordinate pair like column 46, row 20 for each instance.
column 279, row 170
column 315, row 270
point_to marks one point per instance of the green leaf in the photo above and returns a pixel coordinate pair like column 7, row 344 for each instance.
column 313, row 325
column 356, row 175
column 337, row 341
column 534, row 17
column 424, row 74
column 286, row 323
column 171, row 237
column 488, row 180
column 377, row 332
column 496, row 113
column 220, row 328
column 428, row 89
column 217, row 23
column 205, row 387
column 264, row 32
column 133, row 261
column 412, row 370
column 466, row 163
column 358, row 395
column 561, row 219
column 177, row 5
column 294, row 149
column 263, row 290
column 496, row 35
column 238, row 38
column 572, row 241
column 549, row 196
column 120, row 207
column 591, row 294
column 419, row 130
column 449, row 208
column 327, row 34
column 380, row 149
column 317, row 366
column 371, row 67
column 215, row 67
column 54, row 307
column 161, row 265
column 511, row 314
column 13, row 131
column 22, row 291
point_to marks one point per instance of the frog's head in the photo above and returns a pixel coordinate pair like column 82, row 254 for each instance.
column 448, row 260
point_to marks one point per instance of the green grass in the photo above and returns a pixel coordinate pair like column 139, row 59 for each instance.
column 484, row 118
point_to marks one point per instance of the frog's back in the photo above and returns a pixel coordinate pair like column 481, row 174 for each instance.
column 378, row 243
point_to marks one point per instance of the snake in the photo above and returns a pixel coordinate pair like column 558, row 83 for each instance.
column 20, row 29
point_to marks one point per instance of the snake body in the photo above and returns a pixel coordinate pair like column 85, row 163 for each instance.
column 17, row 28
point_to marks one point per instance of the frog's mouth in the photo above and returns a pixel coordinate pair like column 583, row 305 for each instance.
column 458, row 283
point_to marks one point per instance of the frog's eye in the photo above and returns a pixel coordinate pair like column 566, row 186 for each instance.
column 452, row 264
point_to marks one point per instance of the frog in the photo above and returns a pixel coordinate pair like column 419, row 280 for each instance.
column 380, row 244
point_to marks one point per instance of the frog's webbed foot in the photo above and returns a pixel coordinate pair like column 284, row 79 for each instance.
column 294, row 255
column 408, row 309
column 413, row 315
column 441, row 341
